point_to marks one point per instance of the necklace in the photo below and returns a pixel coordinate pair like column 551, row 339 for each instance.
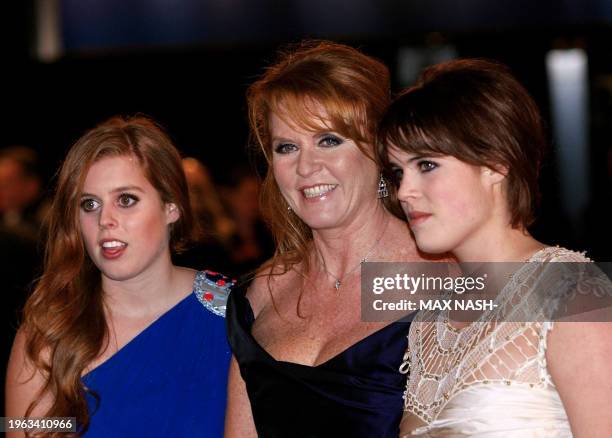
column 364, row 259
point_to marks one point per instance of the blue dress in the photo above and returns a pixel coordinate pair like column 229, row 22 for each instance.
column 358, row 393
column 170, row 380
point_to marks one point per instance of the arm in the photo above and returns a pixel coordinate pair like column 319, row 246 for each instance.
column 23, row 384
column 579, row 357
column 238, row 416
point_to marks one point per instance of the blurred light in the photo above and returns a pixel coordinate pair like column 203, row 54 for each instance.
column 568, row 87
column 48, row 34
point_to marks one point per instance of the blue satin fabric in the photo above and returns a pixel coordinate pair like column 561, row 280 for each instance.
column 358, row 393
column 169, row 381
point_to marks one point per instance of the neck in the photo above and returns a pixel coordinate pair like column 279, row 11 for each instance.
column 154, row 290
column 341, row 249
column 501, row 244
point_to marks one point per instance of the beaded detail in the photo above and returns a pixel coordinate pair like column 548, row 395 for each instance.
column 498, row 348
column 212, row 290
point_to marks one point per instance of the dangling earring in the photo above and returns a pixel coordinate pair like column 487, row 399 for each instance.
column 383, row 192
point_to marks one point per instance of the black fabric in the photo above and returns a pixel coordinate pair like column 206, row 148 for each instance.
column 357, row 393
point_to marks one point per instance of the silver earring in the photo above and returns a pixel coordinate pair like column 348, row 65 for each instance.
column 383, row 191
column 289, row 209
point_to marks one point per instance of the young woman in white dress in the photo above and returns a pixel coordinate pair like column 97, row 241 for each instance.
column 465, row 145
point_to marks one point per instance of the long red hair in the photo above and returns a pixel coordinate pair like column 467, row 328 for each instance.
column 64, row 320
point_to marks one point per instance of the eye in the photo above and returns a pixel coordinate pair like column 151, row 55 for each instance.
column 330, row 140
column 285, row 148
column 126, row 200
column 89, row 204
column 426, row 165
column 397, row 174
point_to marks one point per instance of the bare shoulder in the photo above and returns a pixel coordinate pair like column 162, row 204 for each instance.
column 17, row 360
column 579, row 359
column 23, row 381
column 265, row 284
column 587, row 340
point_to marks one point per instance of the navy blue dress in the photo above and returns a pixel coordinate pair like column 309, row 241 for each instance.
column 357, row 393
column 171, row 379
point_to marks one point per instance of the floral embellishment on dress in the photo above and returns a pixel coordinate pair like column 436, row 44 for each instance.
column 212, row 290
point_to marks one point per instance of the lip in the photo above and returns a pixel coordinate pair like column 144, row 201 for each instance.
column 315, row 192
column 112, row 252
column 417, row 217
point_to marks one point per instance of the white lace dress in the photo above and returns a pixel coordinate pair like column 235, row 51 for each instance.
column 490, row 378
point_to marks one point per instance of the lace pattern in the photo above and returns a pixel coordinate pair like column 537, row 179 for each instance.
column 443, row 360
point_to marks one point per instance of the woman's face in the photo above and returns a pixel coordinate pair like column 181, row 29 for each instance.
column 324, row 177
column 449, row 203
column 123, row 221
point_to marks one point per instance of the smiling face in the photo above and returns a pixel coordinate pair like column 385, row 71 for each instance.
column 123, row 221
column 324, row 177
column 450, row 204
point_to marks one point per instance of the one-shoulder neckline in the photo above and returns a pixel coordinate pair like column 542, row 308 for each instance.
column 162, row 317
column 324, row 364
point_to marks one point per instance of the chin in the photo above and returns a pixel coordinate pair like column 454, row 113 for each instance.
column 120, row 273
column 321, row 221
column 429, row 246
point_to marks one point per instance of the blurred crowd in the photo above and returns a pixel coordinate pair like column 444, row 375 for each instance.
column 234, row 239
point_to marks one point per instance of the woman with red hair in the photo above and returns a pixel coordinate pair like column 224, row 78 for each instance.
column 114, row 334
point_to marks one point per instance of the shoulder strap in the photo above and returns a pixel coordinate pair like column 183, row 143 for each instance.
column 212, row 290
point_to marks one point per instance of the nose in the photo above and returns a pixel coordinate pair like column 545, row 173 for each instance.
column 107, row 217
column 308, row 162
column 409, row 188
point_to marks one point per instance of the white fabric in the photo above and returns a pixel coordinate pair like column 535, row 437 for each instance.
column 496, row 410
column 490, row 378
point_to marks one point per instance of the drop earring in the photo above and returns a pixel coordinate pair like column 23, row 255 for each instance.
column 383, row 191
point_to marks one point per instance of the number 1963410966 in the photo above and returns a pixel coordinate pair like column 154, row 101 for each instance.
column 38, row 424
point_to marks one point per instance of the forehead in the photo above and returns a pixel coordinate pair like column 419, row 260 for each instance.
column 304, row 116
column 109, row 173
column 398, row 155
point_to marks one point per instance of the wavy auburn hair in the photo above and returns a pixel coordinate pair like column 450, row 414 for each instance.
column 353, row 91
column 64, row 321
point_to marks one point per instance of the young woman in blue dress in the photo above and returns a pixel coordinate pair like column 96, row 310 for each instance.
column 114, row 334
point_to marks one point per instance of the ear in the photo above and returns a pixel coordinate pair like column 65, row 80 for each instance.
column 494, row 176
column 172, row 213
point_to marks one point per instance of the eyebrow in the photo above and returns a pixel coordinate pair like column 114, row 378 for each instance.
column 119, row 189
column 410, row 160
column 280, row 140
column 418, row 157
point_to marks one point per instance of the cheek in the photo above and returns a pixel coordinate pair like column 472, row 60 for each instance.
column 444, row 196
column 357, row 166
column 460, row 196
column 88, row 226
column 463, row 206
column 284, row 174
column 149, row 230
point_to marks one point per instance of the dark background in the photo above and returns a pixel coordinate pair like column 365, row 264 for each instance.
column 187, row 63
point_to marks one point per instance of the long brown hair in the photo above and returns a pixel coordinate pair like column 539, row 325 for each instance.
column 64, row 321
column 352, row 87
